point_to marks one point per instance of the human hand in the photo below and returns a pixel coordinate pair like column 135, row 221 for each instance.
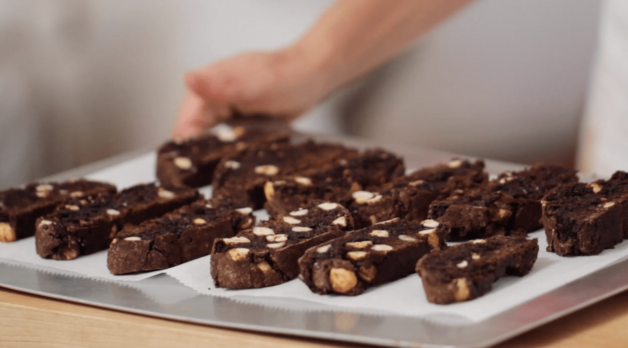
column 283, row 83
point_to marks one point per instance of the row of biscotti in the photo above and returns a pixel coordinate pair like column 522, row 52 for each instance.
column 317, row 244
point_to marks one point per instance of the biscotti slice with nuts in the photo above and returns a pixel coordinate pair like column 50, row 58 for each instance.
column 192, row 162
column 508, row 205
column 409, row 197
column 241, row 176
column 180, row 236
column 584, row 219
column 333, row 181
column 21, row 207
column 467, row 271
column 267, row 254
column 87, row 225
column 368, row 257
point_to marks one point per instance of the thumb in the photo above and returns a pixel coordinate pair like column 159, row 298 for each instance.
column 194, row 117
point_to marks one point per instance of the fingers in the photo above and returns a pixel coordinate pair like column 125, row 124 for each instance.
column 194, row 116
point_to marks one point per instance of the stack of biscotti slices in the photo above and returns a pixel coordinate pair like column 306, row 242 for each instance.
column 585, row 219
column 507, row 205
column 21, row 207
column 192, row 162
column 180, row 236
column 87, row 225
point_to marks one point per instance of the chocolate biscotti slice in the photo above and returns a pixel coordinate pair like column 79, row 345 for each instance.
column 267, row 254
column 192, row 162
column 241, row 176
column 87, row 225
column 183, row 235
column 21, row 207
column 584, row 219
column 368, row 257
column 332, row 181
column 467, row 271
column 507, row 205
column 409, row 197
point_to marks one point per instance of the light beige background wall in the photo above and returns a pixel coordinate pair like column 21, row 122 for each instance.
column 81, row 80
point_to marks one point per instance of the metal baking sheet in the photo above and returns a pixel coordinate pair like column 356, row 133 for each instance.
column 163, row 297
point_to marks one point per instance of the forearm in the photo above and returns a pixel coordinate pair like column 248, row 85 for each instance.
column 355, row 36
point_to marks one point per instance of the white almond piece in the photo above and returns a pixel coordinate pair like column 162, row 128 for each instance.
column 375, row 199
column 359, row 245
column 277, row 238
column 132, row 239
column 199, row 221
column 42, row 194
column 608, row 204
column 301, row 229
column 430, row 223
column 475, row 256
column 323, row 249
column 225, row 133
column 454, row 164
column 303, row 180
column 113, row 212
column 427, row 231
column 405, row 238
column 244, row 211
column 183, row 163
column 362, row 196
column 382, row 247
column 416, row 183
column 208, row 205
column 76, row 194
column 238, row 254
column 387, row 221
column 72, row 207
column 44, row 187
column 275, row 245
column 479, row 241
column 328, row 206
column 291, row 220
column 45, row 222
column 263, row 231
column 462, row 264
column 236, row 240
column 267, row 169
column 341, row 221
column 165, row 194
column 301, row 212
column 357, row 255
column 379, row 233
column 595, row 187
column 232, row 165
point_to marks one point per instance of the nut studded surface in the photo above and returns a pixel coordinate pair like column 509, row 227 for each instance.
column 192, row 162
column 86, row 225
column 177, row 237
column 20, row 208
column 467, row 271
column 368, row 257
column 507, row 205
column 267, row 254
column 585, row 219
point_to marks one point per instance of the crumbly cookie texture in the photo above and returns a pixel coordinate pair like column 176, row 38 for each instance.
column 21, row 207
column 192, row 162
column 467, row 271
column 177, row 237
column 334, row 180
column 368, row 257
column 267, row 254
column 507, row 205
column 585, row 219
column 87, row 225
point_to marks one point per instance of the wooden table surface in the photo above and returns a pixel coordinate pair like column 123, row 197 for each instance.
column 33, row 321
